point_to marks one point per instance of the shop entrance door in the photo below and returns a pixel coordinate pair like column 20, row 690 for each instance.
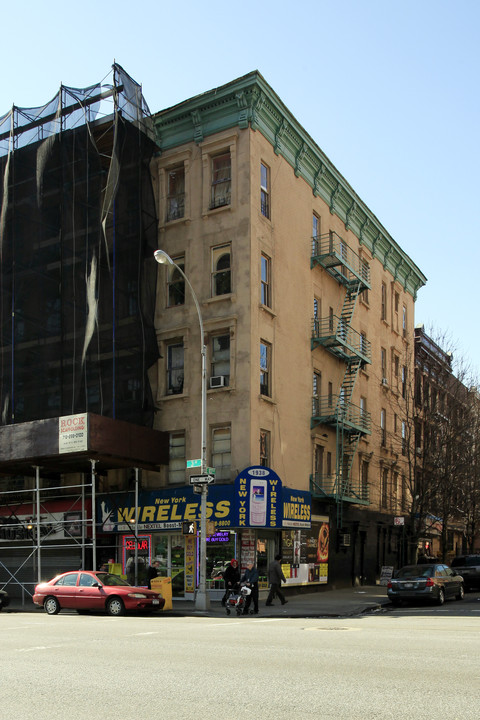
column 169, row 550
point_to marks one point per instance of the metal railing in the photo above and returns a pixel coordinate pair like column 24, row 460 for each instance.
column 333, row 253
column 333, row 409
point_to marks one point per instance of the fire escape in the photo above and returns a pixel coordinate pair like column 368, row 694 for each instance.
column 336, row 335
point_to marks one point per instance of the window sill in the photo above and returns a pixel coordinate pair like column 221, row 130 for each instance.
column 208, row 212
column 268, row 310
column 230, row 297
column 174, row 223
column 267, row 399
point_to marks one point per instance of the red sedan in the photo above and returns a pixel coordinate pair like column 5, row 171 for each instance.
column 85, row 590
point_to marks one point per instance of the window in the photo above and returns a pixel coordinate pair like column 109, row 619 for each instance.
column 221, row 271
column 175, row 368
column 330, row 319
column 319, row 453
column 404, row 382
column 264, row 191
column 177, row 463
column 265, row 362
column 363, row 344
column 365, row 270
column 265, row 281
column 330, row 395
column 364, row 479
column 220, row 358
column 383, row 427
column 363, row 408
column 329, row 464
column 384, row 302
column 383, row 359
column 404, row 493
column 176, row 283
column 176, row 193
column 221, row 452
column 264, row 448
column 404, row 321
column 316, row 318
column 315, row 227
column 396, row 301
column 317, row 384
column 404, row 437
column 221, row 181
column 384, row 488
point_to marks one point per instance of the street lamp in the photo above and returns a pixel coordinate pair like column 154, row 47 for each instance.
column 202, row 601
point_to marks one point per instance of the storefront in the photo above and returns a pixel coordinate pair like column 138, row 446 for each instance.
column 251, row 520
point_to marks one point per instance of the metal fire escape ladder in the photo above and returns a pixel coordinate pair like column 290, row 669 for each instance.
column 337, row 336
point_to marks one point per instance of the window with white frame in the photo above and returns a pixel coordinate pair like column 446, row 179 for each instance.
column 264, row 190
column 221, row 189
column 265, row 287
column 177, row 463
column 175, row 368
column 176, row 193
column 176, row 283
column 265, row 364
column 221, row 270
column 221, row 452
column 220, row 360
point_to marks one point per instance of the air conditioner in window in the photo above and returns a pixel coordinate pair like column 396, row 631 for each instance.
column 384, row 381
column 217, row 381
column 345, row 540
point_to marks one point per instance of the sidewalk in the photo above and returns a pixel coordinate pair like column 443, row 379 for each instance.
column 345, row 602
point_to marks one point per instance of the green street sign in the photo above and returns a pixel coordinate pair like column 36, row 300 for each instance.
column 211, row 471
column 194, row 463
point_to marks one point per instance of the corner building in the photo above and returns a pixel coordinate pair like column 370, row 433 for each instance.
column 307, row 305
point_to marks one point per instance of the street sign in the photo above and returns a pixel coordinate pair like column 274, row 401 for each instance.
column 194, row 463
column 211, row 471
column 201, row 479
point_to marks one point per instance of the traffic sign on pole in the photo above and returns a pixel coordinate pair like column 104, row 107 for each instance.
column 201, row 479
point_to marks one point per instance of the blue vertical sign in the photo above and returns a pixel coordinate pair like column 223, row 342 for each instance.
column 258, row 494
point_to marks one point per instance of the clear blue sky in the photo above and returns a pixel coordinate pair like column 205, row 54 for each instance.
column 388, row 90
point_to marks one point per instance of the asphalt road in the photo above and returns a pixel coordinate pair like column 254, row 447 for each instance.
column 409, row 663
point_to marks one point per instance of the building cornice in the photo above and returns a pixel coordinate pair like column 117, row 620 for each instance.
column 250, row 102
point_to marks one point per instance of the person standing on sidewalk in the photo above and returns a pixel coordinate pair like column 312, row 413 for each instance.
column 275, row 577
column 250, row 578
column 232, row 579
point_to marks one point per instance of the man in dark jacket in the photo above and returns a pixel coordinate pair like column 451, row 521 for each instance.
column 275, row 577
column 232, row 578
column 250, row 578
column 152, row 573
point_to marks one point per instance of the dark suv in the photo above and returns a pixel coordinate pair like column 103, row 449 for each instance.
column 468, row 566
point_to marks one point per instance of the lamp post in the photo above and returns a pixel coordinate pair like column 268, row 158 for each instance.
column 202, row 601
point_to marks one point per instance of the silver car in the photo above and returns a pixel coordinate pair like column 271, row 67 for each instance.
column 434, row 582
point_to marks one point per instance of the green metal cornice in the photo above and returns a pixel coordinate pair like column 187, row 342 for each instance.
column 250, row 101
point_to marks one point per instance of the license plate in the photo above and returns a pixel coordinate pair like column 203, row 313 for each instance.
column 408, row 586
column 155, row 602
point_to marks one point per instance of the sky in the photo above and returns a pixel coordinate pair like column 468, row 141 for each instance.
column 388, row 90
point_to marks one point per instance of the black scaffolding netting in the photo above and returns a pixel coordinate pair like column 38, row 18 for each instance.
column 77, row 234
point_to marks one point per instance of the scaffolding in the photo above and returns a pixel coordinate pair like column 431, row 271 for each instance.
column 78, row 228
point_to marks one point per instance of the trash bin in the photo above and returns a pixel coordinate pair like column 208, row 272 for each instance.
column 163, row 585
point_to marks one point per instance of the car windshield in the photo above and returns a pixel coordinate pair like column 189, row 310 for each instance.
column 109, row 579
column 416, row 571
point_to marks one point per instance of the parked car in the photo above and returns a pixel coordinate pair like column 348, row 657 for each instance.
column 4, row 599
column 433, row 582
column 85, row 591
column 468, row 566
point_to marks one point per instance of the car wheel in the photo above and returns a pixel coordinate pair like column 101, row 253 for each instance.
column 51, row 605
column 461, row 592
column 441, row 596
column 115, row 607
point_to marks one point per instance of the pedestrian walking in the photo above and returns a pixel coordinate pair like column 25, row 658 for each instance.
column 232, row 578
column 152, row 572
column 250, row 578
column 275, row 577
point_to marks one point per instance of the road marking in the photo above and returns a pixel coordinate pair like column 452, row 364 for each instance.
column 154, row 632
column 38, row 647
